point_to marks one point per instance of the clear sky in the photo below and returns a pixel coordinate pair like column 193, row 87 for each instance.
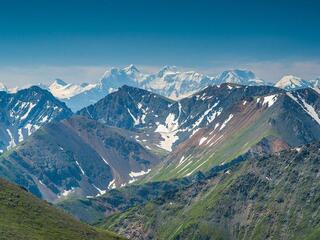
column 77, row 40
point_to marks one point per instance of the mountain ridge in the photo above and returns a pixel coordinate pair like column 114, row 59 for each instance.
column 24, row 112
column 168, row 81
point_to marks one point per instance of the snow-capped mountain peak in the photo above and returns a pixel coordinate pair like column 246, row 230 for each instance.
column 168, row 81
column 167, row 70
column 131, row 69
column 59, row 82
column 116, row 77
column 239, row 76
column 175, row 84
column 63, row 90
column 290, row 82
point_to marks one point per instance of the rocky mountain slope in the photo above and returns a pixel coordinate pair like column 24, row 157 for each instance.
column 24, row 112
column 133, row 133
column 162, row 122
column 212, row 126
column 76, row 157
column 137, row 110
column 23, row 216
column 248, row 116
column 270, row 197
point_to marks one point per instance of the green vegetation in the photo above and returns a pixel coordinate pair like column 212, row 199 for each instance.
column 23, row 216
column 274, row 197
column 93, row 210
column 235, row 144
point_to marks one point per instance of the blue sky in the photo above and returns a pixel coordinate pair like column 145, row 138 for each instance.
column 78, row 40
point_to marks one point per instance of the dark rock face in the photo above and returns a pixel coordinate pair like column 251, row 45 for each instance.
column 126, row 107
column 24, row 112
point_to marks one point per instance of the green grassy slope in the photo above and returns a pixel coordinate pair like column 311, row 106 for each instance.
column 283, row 123
column 237, row 140
column 23, row 216
column 275, row 197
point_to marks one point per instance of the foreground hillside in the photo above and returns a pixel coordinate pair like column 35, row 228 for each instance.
column 23, row 216
column 272, row 197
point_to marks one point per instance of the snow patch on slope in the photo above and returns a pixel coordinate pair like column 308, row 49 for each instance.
column 168, row 132
column 12, row 143
column 226, row 121
column 270, row 100
column 112, row 184
column 202, row 140
column 138, row 174
column 135, row 175
column 81, row 170
column 308, row 108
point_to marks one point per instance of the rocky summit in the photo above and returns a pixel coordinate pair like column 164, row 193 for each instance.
column 24, row 112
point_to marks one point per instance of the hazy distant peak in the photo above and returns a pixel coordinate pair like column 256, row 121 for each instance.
column 290, row 82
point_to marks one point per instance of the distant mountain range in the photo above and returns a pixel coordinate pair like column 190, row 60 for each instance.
column 169, row 82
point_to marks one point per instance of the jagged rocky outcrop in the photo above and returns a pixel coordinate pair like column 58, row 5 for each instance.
column 24, row 112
